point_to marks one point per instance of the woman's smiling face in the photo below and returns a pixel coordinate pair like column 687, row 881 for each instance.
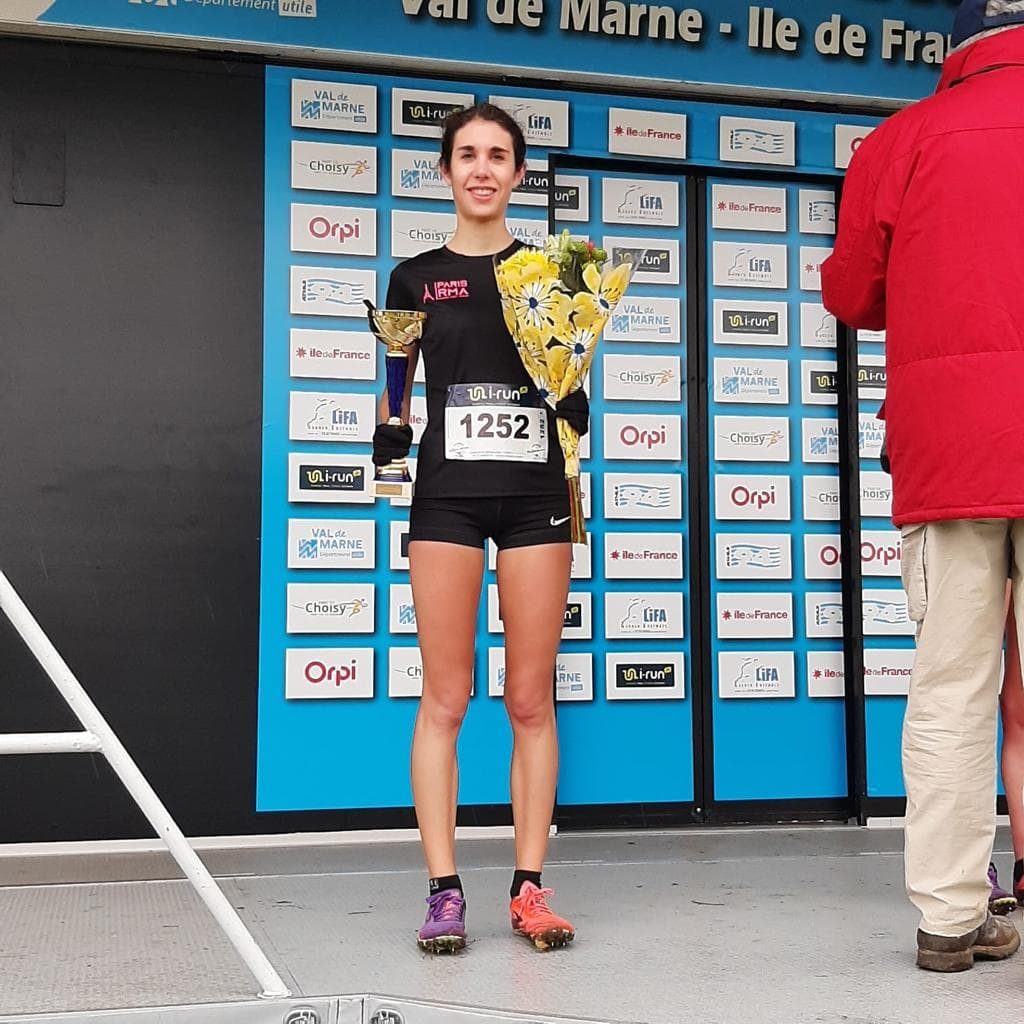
column 482, row 173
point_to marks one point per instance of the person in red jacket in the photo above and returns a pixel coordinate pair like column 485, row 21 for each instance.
column 929, row 248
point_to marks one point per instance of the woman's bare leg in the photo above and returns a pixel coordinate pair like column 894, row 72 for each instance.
column 446, row 589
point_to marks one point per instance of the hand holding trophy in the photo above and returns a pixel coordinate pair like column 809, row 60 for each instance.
column 397, row 329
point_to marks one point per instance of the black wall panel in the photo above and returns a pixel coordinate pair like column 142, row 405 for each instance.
column 130, row 412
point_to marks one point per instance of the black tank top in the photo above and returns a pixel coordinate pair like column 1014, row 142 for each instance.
column 465, row 342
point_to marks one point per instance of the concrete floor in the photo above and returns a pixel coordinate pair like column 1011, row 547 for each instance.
column 774, row 926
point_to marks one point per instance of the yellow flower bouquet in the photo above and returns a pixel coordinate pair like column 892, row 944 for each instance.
column 556, row 303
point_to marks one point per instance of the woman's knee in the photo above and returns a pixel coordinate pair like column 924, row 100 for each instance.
column 446, row 708
column 529, row 707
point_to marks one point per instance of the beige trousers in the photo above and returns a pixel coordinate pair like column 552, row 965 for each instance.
column 955, row 576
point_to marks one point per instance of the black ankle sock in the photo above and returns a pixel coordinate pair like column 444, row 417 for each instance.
column 523, row 876
column 1018, row 871
column 445, row 882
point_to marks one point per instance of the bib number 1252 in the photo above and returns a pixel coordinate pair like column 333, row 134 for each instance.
column 495, row 433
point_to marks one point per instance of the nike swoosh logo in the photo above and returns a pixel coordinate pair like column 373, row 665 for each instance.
column 558, row 522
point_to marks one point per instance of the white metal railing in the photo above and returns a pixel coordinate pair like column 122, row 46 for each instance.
column 100, row 738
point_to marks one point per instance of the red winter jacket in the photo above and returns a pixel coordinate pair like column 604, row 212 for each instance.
column 931, row 247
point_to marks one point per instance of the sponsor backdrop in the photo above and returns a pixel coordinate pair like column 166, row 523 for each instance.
column 856, row 47
column 351, row 187
column 774, row 450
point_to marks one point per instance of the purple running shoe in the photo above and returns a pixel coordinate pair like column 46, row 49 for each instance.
column 444, row 930
column 999, row 901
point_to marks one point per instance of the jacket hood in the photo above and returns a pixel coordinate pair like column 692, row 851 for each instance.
column 1006, row 47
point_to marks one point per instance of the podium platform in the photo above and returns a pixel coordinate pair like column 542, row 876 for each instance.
column 759, row 926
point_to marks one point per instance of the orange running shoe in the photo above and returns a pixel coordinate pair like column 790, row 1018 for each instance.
column 532, row 917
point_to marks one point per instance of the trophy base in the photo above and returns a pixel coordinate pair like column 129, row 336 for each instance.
column 393, row 489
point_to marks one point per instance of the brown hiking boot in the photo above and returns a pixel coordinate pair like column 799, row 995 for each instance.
column 996, row 939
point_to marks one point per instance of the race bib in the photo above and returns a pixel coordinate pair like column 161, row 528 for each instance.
column 494, row 423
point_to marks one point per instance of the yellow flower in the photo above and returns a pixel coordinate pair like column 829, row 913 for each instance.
column 559, row 313
column 536, row 264
column 533, row 300
column 582, row 343
column 615, row 281
column 593, row 308
column 569, row 357
column 524, row 266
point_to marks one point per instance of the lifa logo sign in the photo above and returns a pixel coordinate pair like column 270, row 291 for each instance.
column 643, row 615
column 544, row 122
column 817, row 326
column 756, row 674
column 331, row 417
column 738, row 265
column 632, row 201
column 749, row 267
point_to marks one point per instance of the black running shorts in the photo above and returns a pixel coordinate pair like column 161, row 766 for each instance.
column 511, row 522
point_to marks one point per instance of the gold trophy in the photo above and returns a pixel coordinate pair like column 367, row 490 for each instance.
column 397, row 329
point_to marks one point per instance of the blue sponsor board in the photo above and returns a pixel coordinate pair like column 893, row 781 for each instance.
column 775, row 602
column 770, row 378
